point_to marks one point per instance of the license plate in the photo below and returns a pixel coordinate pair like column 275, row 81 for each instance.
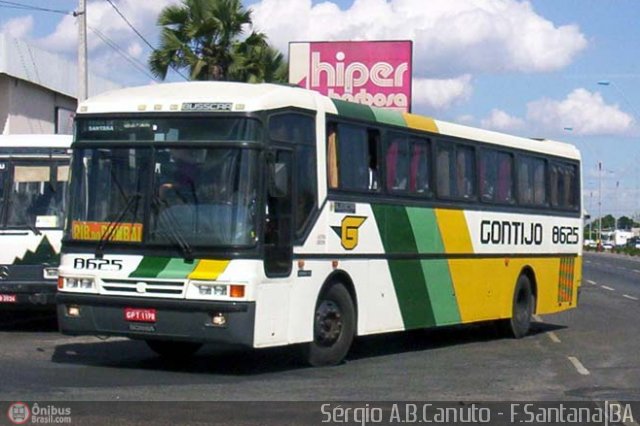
column 139, row 315
column 8, row 298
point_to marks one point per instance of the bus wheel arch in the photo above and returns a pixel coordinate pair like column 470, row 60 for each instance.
column 340, row 276
column 334, row 322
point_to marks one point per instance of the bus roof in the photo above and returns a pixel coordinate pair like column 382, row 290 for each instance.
column 244, row 97
column 35, row 141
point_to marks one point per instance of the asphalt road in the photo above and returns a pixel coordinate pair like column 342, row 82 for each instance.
column 590, row 353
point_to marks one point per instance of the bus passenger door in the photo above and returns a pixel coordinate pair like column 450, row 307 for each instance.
column 278, row 232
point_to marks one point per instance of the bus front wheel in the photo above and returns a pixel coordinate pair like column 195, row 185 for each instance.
column 522, row 310
column 334, row 327
column 173, row 350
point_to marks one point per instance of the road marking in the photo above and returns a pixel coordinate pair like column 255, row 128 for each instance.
column 592, row 282
column 608, row 288
column 538, row 318
column 637, row 270
column 554, row 338
column 587, row 261
column 578, row 365
column 629, row 297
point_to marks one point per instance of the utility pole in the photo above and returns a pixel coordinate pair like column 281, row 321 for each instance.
column 599, row 202
column 83, row 80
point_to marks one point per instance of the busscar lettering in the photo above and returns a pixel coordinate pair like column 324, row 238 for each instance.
column 506, row 232
column 207, row 106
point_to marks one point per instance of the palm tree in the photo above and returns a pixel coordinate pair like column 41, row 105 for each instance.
column 260, row 63
column 206, row 37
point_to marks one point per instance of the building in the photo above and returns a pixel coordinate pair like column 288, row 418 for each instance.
column 38, row 89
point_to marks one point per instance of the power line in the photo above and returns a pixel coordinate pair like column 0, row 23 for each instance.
column 134, row 62
column 14, row 5
column 140, row 35
column 130, row 24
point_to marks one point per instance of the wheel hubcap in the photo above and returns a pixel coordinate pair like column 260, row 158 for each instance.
column 328, row 324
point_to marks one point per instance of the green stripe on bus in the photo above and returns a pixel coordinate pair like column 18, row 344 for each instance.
column 441, row 291
column 353, row 110
column 408, row 279
column 389, row 116
column 150, row 267
column 424, row 225
column 177, row 268
column 436, row 272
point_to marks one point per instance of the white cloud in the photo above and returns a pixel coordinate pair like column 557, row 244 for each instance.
column 501, row 121
column 585, row 112
column 104, row 22
column 102, row 16
column 19, row 27
column 134, row 50
column 450, row 37
column 435, row 94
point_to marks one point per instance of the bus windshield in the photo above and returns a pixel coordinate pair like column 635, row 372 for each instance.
column 195, row 196
column 34, row 193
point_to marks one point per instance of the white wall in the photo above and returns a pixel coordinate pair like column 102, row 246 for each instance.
column 30, row 108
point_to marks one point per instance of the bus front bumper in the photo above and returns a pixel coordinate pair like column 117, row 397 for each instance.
column 27, row 295
column 184, row 320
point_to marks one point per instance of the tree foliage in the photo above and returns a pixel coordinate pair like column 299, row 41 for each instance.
column 208, row 38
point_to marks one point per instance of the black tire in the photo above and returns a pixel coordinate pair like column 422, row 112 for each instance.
column 173, row 350
column 334, row 327
column 522, row 309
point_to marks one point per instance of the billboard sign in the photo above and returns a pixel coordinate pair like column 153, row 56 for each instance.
column 376, row 73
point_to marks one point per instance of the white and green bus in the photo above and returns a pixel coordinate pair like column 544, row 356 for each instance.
column 33, row 174
column 267, row 215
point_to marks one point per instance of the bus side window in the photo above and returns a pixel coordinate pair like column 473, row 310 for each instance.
column 373, row 141
column 445, row 168
column 525, row 187
column 505, row 178
column 496, row 181
column 354, row 158
column 465, row 172
column 332, row 156
column 539, row 183
column 398, row 164
column 420, row 167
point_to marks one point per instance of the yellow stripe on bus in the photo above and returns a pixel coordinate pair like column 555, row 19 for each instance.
column 420, row 123
column 209, row 269
column 454, row 231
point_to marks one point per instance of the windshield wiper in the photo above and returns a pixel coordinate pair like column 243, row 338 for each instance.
column 113, row 225
column 172, row 225
column 33, row 228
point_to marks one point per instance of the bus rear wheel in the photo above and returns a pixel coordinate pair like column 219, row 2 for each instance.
column 334, row 327
column 173, row 350
column 522, row 310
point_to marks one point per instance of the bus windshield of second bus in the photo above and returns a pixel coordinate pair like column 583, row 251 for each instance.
column 200, row 188
column 34, row 170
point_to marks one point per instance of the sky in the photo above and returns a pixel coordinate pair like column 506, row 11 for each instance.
column 530, row 68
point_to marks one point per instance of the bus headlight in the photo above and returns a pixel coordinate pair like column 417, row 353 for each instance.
column 79, row 284
column 210, row 289
column 207, row 289
column 50, row 273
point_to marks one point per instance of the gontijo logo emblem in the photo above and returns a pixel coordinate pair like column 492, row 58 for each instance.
column 348, row 231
